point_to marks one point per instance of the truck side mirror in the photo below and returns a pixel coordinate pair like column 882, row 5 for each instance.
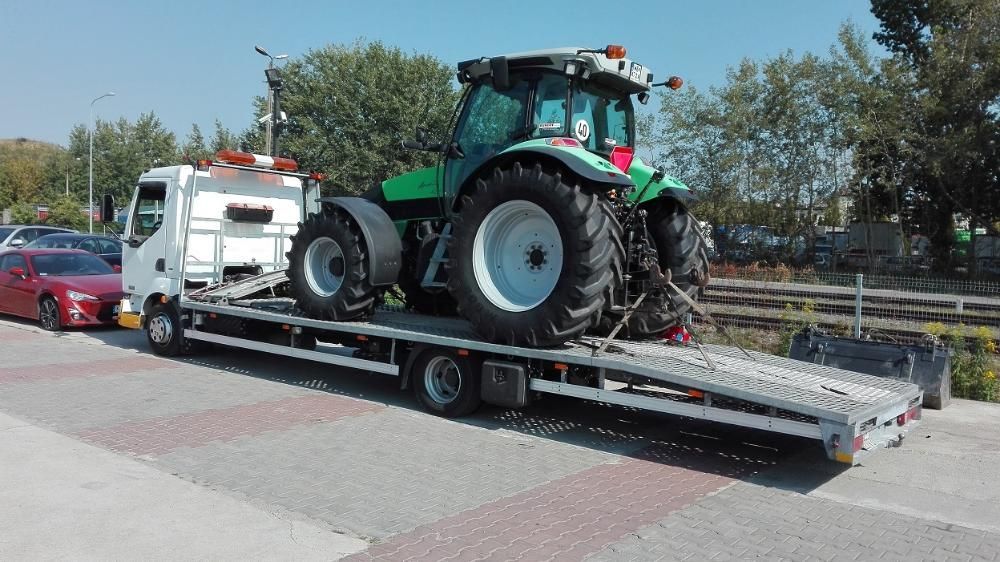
column 108, row 208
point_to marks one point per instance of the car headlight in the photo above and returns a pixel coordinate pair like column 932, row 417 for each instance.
column 75, row 296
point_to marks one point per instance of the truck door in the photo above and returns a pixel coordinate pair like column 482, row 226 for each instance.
column 144, row 253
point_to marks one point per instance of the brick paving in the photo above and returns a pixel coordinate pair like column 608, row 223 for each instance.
column 552, row 482
column 747, row 521
column 157, row 436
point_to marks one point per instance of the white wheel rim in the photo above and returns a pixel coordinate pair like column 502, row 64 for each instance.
column 517, row 256
column 324, row 265
column 443, row 380
column 161, row 329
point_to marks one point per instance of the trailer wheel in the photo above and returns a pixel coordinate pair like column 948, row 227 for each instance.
column 446, row 383
column 328, row 268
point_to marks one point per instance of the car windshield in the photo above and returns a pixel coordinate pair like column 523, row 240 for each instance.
column 5, row 232
column 57, row 265
column 53, row 242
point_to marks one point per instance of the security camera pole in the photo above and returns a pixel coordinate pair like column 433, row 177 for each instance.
column 269, row 123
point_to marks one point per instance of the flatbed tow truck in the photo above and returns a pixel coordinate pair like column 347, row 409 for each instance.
column 182, row 225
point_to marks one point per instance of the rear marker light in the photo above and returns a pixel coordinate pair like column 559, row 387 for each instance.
column 563, row 141
column 696, row 393
column 561, row 367
column 463, row 352
column 859, row 443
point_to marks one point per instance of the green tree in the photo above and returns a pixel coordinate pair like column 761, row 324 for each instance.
column 122, row 151
column 67, row 212
column 194, row 148
column 349, row 106
column 949, row 52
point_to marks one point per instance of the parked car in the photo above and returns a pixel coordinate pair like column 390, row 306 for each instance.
column 107, row 247
column 19, row 235
column 59, row 287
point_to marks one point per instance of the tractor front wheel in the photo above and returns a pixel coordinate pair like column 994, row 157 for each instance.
column 528, row 258
column 328, row 268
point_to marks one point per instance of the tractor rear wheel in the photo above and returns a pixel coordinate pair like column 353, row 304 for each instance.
column 328, row 268
column 681, row 250
column 529, row 256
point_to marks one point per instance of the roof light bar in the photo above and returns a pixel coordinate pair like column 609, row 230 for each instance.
column 257, row 160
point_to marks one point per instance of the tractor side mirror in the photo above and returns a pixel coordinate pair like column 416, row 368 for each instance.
column 501, row 74
column 17, row 272
column 108, row 208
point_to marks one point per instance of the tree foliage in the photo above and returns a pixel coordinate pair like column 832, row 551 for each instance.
column 349, row 106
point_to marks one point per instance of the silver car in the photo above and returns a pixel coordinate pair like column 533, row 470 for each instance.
column 17, row 235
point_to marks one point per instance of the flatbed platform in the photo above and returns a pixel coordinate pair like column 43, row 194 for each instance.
column 716, row 382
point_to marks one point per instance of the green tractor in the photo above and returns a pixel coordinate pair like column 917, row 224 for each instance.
column 537, row 225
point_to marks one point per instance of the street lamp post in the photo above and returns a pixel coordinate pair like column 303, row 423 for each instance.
column 90, row 123
column 270, row 121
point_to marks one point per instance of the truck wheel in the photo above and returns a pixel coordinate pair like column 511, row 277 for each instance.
column 164, row 330
column 529, row 257
column 328, row 268
column 681, row 249
column 447, row 383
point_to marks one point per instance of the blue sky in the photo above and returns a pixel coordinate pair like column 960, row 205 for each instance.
column 193, row 62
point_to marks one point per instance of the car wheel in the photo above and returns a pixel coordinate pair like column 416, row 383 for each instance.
column 48, row 315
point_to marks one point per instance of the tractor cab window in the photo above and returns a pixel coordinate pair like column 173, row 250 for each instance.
column 550, row 107
column 147, row 215
column 600, row 120
column 491, row 122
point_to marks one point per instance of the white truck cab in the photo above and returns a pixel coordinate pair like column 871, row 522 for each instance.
column 189, row 227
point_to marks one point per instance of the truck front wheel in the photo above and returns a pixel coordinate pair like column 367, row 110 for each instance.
column 164, row 330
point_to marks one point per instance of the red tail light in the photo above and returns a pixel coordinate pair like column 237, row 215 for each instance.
column 621, row 157
column 563, row 141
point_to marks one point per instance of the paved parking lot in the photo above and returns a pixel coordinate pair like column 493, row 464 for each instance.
column 109, row 452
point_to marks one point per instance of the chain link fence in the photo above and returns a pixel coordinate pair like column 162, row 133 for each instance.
column 885, row 307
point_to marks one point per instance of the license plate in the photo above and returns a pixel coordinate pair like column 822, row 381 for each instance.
column 635, row 72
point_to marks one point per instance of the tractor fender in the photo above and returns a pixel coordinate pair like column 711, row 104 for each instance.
column 563, row 157
column 596, row 170
column 664, row 186
column 385, row 250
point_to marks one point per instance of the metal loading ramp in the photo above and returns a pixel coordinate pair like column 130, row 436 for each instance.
column 767, row 392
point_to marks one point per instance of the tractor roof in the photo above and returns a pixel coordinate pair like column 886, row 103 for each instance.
column 620, row 74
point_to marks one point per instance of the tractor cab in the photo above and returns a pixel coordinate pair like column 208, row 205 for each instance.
column 581, row 96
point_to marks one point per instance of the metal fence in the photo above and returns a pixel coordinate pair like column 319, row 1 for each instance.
column 886, row 307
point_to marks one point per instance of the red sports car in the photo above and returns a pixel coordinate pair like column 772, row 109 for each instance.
column 59, row 287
